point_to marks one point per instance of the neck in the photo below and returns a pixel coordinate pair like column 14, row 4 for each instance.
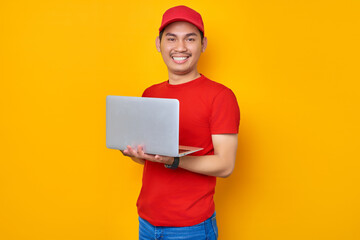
column 175, row 79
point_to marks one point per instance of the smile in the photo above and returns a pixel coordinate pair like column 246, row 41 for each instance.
column 180, row 59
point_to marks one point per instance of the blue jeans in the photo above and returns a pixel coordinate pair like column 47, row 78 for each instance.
column 206, row 230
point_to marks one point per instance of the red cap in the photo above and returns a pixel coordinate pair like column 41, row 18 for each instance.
column 182, row 13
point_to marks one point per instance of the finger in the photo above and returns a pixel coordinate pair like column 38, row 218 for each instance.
column 140, row 149
column 132, row 151
column 143, row 155
column 125, row 153
column 146, row 156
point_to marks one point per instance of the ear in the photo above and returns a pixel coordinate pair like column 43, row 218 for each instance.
column 157, row 42
column 204, row 44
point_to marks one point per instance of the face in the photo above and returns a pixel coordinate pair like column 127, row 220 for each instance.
column 181, row 47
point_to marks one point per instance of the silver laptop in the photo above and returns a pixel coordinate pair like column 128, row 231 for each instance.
column 150, row 122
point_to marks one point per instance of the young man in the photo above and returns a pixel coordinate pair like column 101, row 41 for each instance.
column 176, row 199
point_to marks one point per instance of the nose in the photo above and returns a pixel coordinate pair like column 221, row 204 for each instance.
column 180, row 46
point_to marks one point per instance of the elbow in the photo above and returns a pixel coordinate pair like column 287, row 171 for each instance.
column 226, row 172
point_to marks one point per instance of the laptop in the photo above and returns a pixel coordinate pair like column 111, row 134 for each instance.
column 152, row 123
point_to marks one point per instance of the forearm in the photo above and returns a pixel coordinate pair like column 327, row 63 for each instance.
column 221, row 164
column 212, row 165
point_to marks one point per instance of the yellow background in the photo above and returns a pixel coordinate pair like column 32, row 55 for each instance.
column 293, row 65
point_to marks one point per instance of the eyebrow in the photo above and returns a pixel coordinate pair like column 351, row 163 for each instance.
column 187, row 35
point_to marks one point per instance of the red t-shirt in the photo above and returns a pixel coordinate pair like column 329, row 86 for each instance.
column 179, row 197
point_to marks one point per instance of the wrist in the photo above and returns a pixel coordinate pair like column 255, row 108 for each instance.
column 171, row 161
column 174, row 164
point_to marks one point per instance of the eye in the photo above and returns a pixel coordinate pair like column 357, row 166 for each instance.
column 171, row 39
column 191, row 39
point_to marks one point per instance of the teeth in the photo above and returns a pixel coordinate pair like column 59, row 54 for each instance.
column 179, row 58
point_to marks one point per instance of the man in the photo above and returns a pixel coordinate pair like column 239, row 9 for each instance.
column 177, row 200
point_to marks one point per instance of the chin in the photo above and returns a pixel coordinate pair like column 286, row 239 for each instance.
column 181, row 72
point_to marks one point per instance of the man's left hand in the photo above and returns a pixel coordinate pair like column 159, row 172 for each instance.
column 139, row 153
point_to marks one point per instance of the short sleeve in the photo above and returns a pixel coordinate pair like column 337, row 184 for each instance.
column 145, row 93
column 225, row 114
